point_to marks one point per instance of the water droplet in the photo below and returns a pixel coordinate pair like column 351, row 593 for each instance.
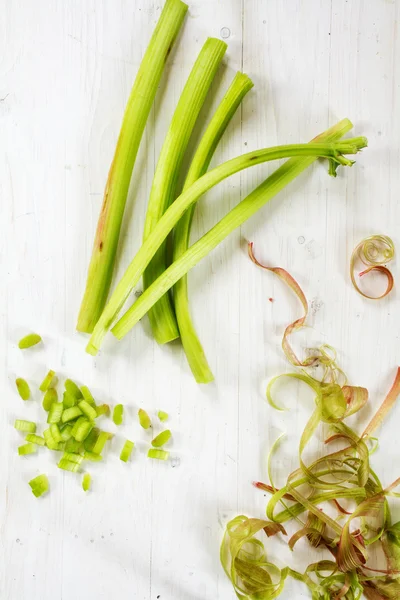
column 18, row 540
column 175, row 462
column 264, row 21
column 225, row 33
column 301, row 239
column 91, row 541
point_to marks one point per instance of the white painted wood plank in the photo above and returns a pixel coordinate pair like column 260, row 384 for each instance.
column 66, row 69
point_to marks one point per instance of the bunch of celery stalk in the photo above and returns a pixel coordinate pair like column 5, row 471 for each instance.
column 170, row 209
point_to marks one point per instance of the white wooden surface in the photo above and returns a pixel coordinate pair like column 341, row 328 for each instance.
column 150, row 531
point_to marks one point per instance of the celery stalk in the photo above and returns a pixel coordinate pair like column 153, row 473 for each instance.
column 177, row 209
column 239, row 87
column 236, row 217
column 134, row 121
column 164, row 187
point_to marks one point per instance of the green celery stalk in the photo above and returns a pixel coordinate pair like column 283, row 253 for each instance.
column 239, row 87
column 236, row 217
column 177, row 209
column 164, row 187
column 137, row 111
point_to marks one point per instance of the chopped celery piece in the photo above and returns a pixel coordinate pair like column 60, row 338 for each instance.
column 26, row 426
column 50, row 441
column 100, row 442
column 71, row 413
column 23, row 388
column 118, row 414
column 55, row 412
column 86, row 481
column 88, row 395
column 55, row 433
column 81, row 429
column 80, row 421
column 47, row 435
column 69, row 400
column 73, row 446
column 163, row 416
column 29, row 340
column 35, row 439
column 161, row 439
column 165, row 183
column 92, row 456
column 49, row 397
column 126, row 451
column 333, row 151
column 239, row 87
column 67, row 465
column 73, row 389
column 144, row 419
column 88, row 410
column 73, row 457
column 137, row 111
column 158, row 454
column 39, row 485
column 91, row 439
column 103, row 409
column 27, row 449
column 66, row 433
column 47, row 381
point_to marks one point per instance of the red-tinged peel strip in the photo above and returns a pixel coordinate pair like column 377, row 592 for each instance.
column 317, row 356
column 299, row 323
column 374, row 252
column 268, row 488
column 385, row 407
column 390, row 281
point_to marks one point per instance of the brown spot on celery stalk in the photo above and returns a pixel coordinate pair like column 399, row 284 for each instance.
column 168, row 52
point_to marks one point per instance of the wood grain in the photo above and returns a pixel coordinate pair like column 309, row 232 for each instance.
column 150, row 530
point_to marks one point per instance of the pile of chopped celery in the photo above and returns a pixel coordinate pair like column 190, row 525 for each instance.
column 71, row 429
column 170, row 210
